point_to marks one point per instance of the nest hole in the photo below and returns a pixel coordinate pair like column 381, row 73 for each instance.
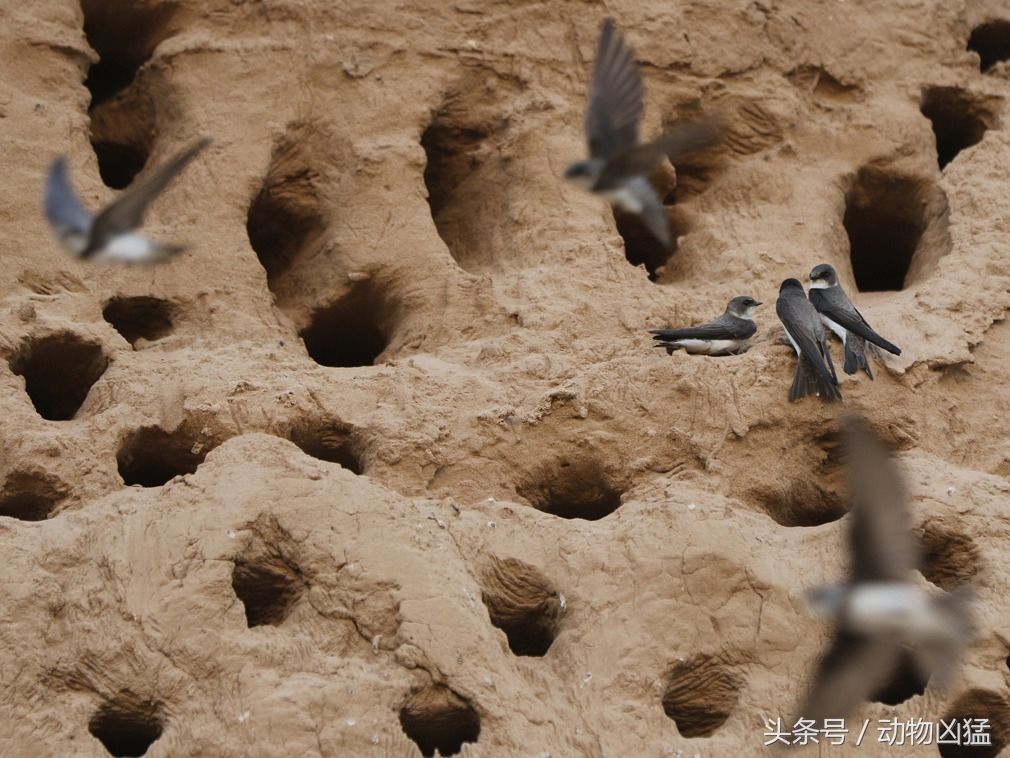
column 949, row 558
column 352, row 331
column 128, row 725
column 802, row 502
column 959, row 120
column 523, row 603
column 333, row 443
column 906, row 682
column 700, row 695
column 466, row 173
column 436, row 718
column 641, row 248
column 124, row 35
column 574, row 490
column 151, row 456
column 140, row 318
column 977, row 704
column 30, row 496
column 285, row 219
column 991, row 41
column 266, row 576
column 59, row 370
column 885, row 219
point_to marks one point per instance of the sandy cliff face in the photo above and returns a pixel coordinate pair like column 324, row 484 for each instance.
column 386, row 462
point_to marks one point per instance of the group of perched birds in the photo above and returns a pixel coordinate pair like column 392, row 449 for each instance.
column 805, row 320
column 884, row 621
column 880, row 614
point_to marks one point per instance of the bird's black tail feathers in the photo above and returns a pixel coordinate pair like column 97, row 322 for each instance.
column 807, row 381
column 855, row 355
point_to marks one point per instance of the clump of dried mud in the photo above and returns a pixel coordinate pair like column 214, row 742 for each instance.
column 385, row 464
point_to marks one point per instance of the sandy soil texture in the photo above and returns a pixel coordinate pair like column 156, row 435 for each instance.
column 385, row 462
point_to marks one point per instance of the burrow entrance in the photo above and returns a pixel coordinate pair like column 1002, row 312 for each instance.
column 888, row 218
column 991, row 41
column 333, row 442
column 949, row 558
column 353, row 330
column 30, row 496
column 436, row 718
column 266, row 576
column 59, row 371
column 140, row 318
column 523, row 603
column 151, row 456
column 127, row 725
column 579, row 488
column 805, row 497
column 700, row 695
column 124, row 34
column 906, row 682
column 959, row 120
column 979, row 704
column 466, row 173
column 285, row 221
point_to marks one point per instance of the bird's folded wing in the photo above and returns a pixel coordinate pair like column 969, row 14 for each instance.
column 792, row 319
column 715, row 330
column 843, row 313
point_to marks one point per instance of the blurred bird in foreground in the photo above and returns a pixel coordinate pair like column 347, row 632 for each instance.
column 882, row 616
column 728, row 334
column 840, row 316
column 110, row 235
column 618, row 165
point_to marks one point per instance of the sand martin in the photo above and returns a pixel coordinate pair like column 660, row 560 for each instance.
column 110, row 235
column 618, row 165
column 882, row 616
column 727, row 335
column 815, row 373
column 840, row 316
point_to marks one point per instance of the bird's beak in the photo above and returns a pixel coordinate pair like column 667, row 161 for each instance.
column 757, row 304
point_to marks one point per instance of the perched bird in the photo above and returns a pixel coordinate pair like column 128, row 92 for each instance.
column 815, row 373
column 840, row 316
column 618, row 165
column 110, row 235
column 882, row 617
column 727, row 335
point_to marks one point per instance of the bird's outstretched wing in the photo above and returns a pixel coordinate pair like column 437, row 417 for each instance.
column 64, row 212
column 126, row 212
column 853, row 668
column 680, row 140
column 836, row 306
column 881, row 541
column 615, row 97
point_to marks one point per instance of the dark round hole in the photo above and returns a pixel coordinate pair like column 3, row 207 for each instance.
column 150, row 456
column 59, row 371
column 140, row 317
column 991, row 41
column 523, row 603
column 436, row 718
column 127, row 726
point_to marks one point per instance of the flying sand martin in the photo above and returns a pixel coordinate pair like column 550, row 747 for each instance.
column 840, row 316
column 110, row 235
column 618, row 165
column 882, row 616
column 815, row 373
column 727, row 335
